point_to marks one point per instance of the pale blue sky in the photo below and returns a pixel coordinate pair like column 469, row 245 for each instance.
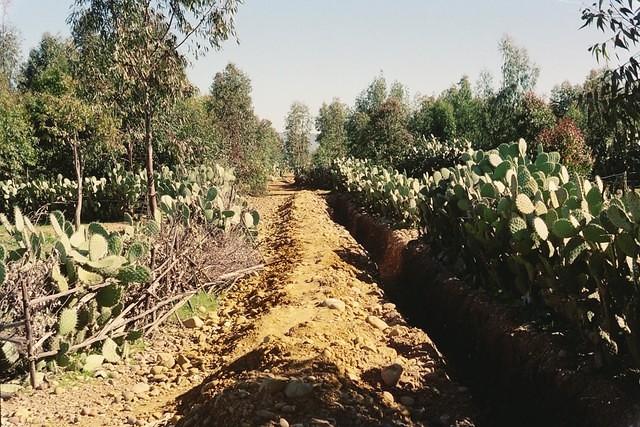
column 313, row 50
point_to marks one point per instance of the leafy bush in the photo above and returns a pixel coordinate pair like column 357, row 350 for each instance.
column 567, row 139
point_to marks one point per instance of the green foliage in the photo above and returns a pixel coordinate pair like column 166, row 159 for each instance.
column 89, row 258
column 428, row 155
column 16, row 136
column 48, row 67
column 9, row 56
column 384, row 192
column 249, row 145
column 297, row 132
column 377, row 127
column 332, row 134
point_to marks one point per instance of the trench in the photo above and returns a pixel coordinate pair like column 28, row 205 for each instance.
column 515, row 378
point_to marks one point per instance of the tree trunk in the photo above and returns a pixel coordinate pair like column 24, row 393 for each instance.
column 130, row 154
column 77, row 162
column 151, row 185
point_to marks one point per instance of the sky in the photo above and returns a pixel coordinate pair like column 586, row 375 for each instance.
column 312, row 51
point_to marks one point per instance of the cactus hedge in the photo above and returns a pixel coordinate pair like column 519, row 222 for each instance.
column 107, row 271
column 525, row 227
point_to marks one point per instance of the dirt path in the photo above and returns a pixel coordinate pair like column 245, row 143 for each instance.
column 318, row 332
column 311, row 341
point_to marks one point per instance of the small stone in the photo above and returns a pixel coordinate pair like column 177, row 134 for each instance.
column 128, row 396
column 58, row 390
column 140, row 388
column 407, row 400
column 377, row 322
column 297, row 389
column 391, row 374
column 334, row 304
column 88, row 412
column 159, row 378
column 7, row 391
column 131, row 420
column 100, row 373
column 182, row 361
column 157, row 370
column 283, row 423
column 396, row 331
column 387, row 397
column 193, row 323
column 166, row 359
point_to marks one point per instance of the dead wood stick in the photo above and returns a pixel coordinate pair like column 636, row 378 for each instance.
column 27, row 327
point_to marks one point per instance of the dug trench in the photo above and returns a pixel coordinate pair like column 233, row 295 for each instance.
column 519, row 373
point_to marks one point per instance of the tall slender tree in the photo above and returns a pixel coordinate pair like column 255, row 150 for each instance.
column 332, row 135
column 132, row 53
column 298, row 127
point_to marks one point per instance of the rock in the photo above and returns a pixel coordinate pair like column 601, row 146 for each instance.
column 387, row 397
column 274, row 384
column 318, row 422
column 193, row 323
column 40, row 384
column 391, row 374
column 7, row 391
column 297, row 389
column 131, row 420
column 263, row 413
column 58, row 390
column 159, row 378
column 334, row 304
column 166, row 359
column 283, row 423
column 407, row 400
column 183, row 361
column 88, row 412
column 128, row 396
column 377, row 322
column 157, row 370
column 100, row 373
column 140, row 388
column 395, row 331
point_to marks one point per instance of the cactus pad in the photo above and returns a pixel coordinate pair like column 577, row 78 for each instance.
column 67, row 321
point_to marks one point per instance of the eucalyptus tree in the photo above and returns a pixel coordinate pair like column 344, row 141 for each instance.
column 76, row 125
column 9, row 55
column 298, row 127
column 619, row 20
column 332, row 135
column 134, row 55
column 613, row 97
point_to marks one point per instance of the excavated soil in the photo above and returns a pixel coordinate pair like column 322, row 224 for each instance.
column 304, row 343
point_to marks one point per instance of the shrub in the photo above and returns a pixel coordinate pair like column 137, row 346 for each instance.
column 567, row 139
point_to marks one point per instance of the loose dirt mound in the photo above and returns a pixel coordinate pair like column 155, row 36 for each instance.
column 318, row 344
